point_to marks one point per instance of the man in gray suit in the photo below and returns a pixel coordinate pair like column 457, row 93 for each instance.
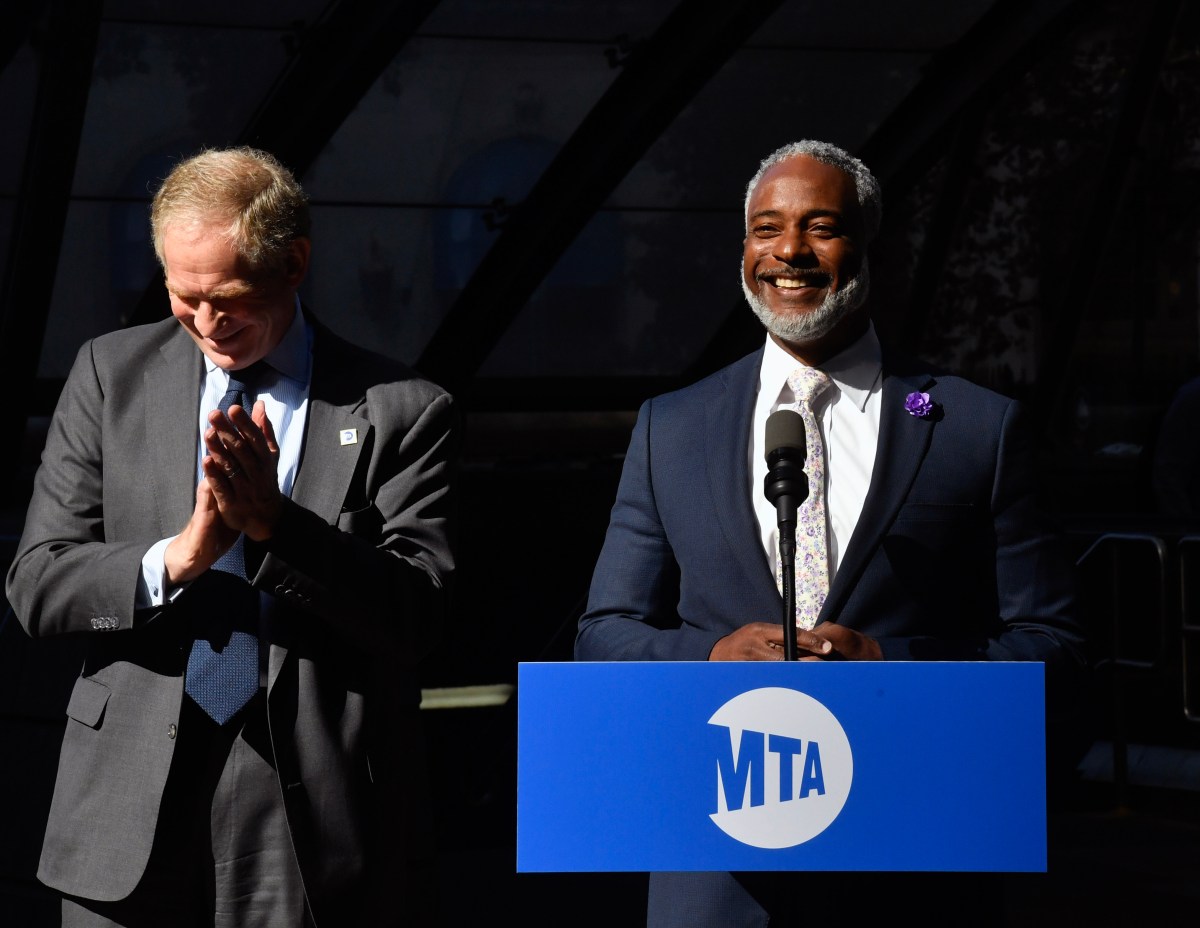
column 327, row 483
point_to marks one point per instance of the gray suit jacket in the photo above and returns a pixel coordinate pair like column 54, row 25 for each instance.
column 357, row 573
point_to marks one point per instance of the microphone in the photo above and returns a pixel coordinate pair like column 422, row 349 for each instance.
column 786, row 484
column 786, row 487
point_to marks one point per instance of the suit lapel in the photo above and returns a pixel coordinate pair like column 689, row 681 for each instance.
column 334, row 434
column 728, row 468
column 335, row 437
column 334, row 440
column 903, row 442
column 172, row 390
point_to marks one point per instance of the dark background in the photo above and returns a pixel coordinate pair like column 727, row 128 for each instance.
column 538, row 203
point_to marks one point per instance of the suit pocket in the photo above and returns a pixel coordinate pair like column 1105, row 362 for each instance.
column 88, row 700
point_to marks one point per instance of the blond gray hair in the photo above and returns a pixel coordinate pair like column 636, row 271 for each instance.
column 246, row 194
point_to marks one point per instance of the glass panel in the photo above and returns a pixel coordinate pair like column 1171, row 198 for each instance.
column 231, row 13
column 157, row 93
column 18, row 88
column 453, row 134
column 916, row 25
column 369, row 278
column 460, row 121
column 161, row 92
column 637, row 293
column 652, row 278
column 608, row 21
column 8, row 208
column 103, row 269
column 600, row 312
column 651, row 281
column 708, row 154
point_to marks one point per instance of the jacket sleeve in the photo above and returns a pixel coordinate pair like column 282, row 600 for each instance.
column 67, row 576
column 632, row 611
column 380, row 575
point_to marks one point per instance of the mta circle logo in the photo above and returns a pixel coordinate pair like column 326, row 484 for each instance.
column 783, row 767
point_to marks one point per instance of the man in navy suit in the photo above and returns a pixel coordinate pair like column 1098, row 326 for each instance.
column 935, row 547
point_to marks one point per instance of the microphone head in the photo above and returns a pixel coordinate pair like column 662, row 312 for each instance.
column 785, row 430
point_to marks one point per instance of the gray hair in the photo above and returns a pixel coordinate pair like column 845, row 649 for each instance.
column 870, row 197
column 246, row 193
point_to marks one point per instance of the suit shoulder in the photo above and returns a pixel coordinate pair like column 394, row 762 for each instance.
column 946, row 386
column 107, row 359
column 740, row 375
column 132, row 343
column 976, row 392
column 360, row 369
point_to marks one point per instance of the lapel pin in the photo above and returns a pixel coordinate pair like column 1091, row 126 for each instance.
column 348, row 436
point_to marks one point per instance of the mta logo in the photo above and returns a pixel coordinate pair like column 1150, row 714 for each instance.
column 782, row 767
column 747, row 772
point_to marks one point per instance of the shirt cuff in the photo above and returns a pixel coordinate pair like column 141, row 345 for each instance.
column 152, row 591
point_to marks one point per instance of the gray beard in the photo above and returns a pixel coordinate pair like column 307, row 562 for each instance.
column 807, row 327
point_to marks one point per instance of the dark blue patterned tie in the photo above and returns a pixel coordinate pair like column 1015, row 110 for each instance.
column 222, row 670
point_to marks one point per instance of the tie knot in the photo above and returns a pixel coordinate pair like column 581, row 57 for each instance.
column 243, row 386
column 808, row 383
column 248, row 377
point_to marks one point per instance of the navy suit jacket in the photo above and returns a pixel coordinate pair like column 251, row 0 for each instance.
column 949, row 560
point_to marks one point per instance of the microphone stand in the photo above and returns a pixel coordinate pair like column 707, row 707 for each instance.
column 786, row 487
column 787, row 569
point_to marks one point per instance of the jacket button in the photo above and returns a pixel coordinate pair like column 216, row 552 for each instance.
column 172, row 731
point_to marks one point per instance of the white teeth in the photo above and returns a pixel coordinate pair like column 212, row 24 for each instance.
column 787, row 283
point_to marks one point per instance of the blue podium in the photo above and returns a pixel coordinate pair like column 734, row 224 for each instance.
column 923, row 766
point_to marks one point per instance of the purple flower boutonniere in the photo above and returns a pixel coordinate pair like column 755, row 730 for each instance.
column 919, row 405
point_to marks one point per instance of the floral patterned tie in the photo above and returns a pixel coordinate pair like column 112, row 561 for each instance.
column 812, row 555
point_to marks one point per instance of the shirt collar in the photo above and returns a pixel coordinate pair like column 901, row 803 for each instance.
column 855, row 371
column 292, row 356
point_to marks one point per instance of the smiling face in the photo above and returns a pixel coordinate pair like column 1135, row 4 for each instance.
column 803, row 270
column 234, row 315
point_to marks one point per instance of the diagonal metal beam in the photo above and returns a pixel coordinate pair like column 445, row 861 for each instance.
column 67, row 46
column 334, row 62
column 659, row 78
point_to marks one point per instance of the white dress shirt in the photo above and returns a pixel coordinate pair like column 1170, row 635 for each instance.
column 284, row 392
column 848, row 416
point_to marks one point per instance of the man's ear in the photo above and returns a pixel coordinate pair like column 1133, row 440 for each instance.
column 296, row 267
